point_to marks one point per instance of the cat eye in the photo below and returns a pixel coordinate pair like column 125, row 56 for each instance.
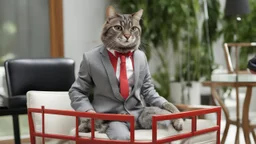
column 119, row 28
column 133, row 28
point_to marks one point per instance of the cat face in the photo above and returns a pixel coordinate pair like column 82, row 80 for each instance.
column 121, row 32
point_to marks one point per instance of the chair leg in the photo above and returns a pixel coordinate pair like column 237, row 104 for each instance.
column 16, row 128
column 237, row 140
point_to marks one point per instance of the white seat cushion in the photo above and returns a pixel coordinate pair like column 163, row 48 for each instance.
column 146, row 135
column 232, row 77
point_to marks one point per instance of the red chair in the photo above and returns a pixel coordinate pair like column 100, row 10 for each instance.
column 51, row 119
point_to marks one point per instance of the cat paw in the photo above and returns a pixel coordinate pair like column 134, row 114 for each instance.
column 178, row 124
column 103, row 128
column 83, row 128
column 124, row 113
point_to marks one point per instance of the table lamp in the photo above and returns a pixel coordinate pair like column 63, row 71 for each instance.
column 237, row 7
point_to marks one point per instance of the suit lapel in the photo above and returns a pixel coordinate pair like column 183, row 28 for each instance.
column 136, row 71
column 110, row 73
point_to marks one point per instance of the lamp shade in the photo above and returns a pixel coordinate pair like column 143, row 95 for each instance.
column 237, row 7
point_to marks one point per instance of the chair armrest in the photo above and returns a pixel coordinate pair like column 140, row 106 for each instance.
column 184, row 107
column 2, row 96
column 3, row 102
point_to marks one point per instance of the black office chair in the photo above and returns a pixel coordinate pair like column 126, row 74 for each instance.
column 22, row 75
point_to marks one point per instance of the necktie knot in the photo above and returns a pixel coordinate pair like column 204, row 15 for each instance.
column 118, row 54
column 123, row 55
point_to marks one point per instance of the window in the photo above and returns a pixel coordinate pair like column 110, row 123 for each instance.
column 30, row 29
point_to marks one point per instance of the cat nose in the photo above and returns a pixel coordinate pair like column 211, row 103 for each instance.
column 127, row 36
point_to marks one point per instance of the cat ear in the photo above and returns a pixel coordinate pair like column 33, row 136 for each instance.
column 138, row 14
column 110, row 13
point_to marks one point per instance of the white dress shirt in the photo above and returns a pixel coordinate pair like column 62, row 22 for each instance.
column 129, row 69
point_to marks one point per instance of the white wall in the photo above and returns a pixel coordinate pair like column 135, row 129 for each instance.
column 218, row 52
column 83, row 20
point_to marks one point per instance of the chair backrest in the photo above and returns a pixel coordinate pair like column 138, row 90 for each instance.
column 227, row 46
column 51, row 74
column 54, row 124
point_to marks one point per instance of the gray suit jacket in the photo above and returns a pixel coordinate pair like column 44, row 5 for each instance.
column 96, row 71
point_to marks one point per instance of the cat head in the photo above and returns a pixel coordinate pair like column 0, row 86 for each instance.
column 121, row 32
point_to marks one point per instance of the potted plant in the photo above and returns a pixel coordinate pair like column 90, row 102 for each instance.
column 196, row 61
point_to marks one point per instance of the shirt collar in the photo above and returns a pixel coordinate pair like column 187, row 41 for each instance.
column 113, row 51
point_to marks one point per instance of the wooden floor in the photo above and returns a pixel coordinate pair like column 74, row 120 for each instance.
column 23, row 141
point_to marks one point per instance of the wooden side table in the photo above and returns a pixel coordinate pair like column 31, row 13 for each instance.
column 235, row 78
column 245, row 122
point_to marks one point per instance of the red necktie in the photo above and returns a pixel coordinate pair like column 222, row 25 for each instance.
column 124, row 85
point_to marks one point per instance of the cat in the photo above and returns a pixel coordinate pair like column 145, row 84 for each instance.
column 144, row 121
column 122, row 33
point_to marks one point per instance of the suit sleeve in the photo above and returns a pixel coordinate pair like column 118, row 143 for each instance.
column 148, row 91
column 80, row 90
